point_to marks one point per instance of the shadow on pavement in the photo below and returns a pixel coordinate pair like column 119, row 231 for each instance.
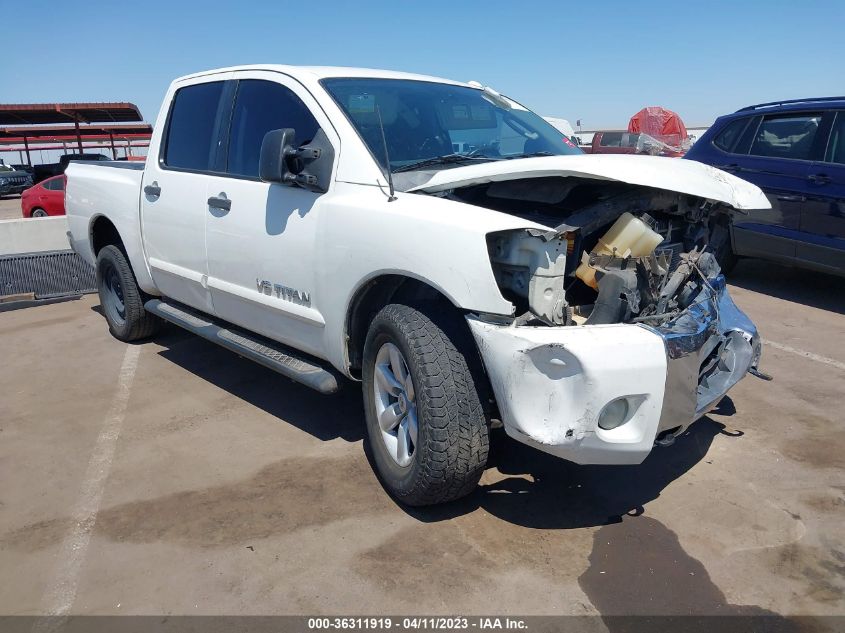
column 542, row 491
column 537, row 490
column 806, row 287
column 324, row 417
column 641, row 579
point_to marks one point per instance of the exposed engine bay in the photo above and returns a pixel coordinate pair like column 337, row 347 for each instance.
column 618, row 253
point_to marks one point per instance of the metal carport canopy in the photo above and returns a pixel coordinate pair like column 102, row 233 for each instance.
column 50, row 113
column 46, row 113
column 67, row 133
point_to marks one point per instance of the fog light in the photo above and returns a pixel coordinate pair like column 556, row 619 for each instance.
column 614, row 414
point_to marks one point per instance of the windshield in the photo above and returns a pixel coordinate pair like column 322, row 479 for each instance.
column 425, row 122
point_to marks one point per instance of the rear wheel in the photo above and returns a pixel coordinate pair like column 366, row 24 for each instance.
column 39, row 213
column 121, row 299
column 426, row 429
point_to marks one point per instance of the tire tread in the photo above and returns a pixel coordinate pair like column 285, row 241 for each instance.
column 457, row 443
column 139, row 324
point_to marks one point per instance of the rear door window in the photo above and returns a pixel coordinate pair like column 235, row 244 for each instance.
column 262, row 106
column 611, row 139
column 727, row 138
column 192, row 127
column 786, row 136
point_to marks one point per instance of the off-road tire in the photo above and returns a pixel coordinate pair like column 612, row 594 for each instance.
column 135, row 323
column 453, row 435
column 723, row 251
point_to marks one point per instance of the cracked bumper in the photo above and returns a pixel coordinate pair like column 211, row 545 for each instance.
column 552, row 383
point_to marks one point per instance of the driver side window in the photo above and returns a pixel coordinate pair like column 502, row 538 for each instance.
column 262, row 106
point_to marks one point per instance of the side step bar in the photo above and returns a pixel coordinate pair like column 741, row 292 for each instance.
column 271, row 354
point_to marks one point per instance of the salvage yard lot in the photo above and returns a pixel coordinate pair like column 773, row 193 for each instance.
column 223, row 488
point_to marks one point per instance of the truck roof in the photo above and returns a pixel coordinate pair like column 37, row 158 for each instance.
column 323, row 72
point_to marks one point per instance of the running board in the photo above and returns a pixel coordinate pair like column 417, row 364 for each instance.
column 271, row 354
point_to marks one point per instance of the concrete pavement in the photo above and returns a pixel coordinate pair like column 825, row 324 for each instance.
column 173, row 477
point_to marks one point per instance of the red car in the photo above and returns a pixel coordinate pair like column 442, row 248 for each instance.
column 44, row 199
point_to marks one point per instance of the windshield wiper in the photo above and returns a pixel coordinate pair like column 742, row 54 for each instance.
column 531, row 155
column 441, row 160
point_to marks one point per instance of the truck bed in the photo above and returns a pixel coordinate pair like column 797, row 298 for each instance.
column 112, row 189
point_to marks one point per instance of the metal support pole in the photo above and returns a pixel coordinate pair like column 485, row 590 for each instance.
column 78, row 136
column 113, row 148
column 26, row 146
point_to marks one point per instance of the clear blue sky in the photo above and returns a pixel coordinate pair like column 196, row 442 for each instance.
column 597, row 61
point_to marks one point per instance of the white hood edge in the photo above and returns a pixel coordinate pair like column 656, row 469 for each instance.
column 671, row 174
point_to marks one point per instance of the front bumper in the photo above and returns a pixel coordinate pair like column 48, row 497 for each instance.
column 552, row 383
column 13, row 188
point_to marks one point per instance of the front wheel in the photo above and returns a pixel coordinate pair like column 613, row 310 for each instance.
column 720, row 244
column 426, row 428
column 725, row 258
column 39, row 213
column 121, row 299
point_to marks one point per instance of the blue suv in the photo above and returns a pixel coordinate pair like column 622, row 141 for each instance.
column 795, row 152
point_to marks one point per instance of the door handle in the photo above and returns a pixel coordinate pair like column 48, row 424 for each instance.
column 791, row 198
column 153, row 190
column 220, row 202
column 819, row 179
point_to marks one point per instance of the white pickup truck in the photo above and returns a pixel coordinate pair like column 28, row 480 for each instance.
column 436, row 241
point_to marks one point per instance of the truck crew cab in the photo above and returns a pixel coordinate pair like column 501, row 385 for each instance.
column 321, row 222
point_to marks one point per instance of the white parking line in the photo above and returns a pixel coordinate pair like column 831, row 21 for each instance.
column 808, row 355
column 61, row 593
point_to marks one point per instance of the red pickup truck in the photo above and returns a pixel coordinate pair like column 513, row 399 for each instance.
column 631, row 143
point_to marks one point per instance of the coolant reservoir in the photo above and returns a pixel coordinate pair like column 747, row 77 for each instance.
column 628, row 237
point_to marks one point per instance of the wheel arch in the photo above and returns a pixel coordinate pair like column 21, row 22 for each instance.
column 377, row 292
column 102, row 232
column 387, row 288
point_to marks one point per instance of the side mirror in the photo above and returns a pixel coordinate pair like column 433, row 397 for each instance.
column 283, row 162
column 276, row 149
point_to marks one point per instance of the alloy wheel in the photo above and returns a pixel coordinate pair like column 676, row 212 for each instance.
column 395, row 401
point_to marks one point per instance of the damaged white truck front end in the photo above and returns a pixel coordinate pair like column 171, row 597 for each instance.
column 604, row 394
column 612, row 346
